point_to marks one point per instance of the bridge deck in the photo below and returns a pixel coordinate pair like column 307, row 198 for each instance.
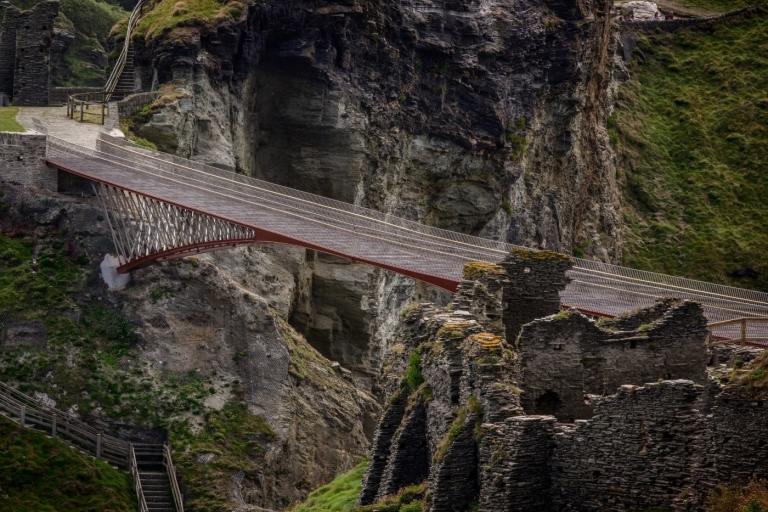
column 280, row 214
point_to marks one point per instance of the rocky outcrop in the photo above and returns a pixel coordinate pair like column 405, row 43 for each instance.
column 662, row 431
column 481, row 117
column 216, row 322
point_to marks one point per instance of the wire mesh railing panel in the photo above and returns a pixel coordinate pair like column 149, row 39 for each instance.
column 393, row 242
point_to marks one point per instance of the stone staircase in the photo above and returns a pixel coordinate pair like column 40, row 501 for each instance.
column 154, row 478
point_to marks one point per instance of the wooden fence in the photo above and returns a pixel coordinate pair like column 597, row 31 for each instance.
column 31, row 413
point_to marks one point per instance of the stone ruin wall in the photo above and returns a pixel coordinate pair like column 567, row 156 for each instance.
column 25, row 52
column 468, row 433
column 566, row 357
column 22, row 161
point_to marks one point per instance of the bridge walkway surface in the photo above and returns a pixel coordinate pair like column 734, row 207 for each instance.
column 175, row 206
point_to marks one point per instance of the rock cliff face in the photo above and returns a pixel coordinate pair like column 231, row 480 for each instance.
column 201, row 349
column 479, row 116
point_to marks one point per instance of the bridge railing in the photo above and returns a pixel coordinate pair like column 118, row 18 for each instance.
column 745, row 330
column 591, row 280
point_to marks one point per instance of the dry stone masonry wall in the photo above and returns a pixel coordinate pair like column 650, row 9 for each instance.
column 657, row 430
column 22, row 160
column 568, row 356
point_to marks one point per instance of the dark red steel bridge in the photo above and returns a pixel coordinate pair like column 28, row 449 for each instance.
column 161, row 207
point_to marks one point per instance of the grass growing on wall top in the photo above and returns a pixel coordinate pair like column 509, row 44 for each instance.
column 691, row 131
column 8, row 122
column 40, row 474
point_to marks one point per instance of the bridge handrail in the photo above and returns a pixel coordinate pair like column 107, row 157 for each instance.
column 583, row 265
column 114, row 76
column 598, row 270
column 723, row 331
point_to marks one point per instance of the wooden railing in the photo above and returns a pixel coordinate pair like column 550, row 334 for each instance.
column 174, row 483
column 30, row 413
column 137, row 480
column 737, row 330
column 88, row 107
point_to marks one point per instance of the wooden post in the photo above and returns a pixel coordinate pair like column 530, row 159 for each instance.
column 23, row 415
column 53, row 426
column 103, row 105
column 744, row 331
column 98, row 445
column 82, row 112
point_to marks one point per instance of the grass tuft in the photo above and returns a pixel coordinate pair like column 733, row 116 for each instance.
column 8, row 122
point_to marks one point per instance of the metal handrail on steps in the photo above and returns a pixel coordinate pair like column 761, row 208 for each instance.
column 171, row 470
column 31, row 413
column 137, row 480
column 117, row 71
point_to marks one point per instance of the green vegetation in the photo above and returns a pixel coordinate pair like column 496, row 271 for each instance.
column 459, row 422
column 751, row 378
column 409, row 499
column 475, row 270
column 167, row 15
column 413, row 376
column 40, row 474
column 234, row 439
column 8, row 122
column 691, row 131
column 90, row 21
column 87, row 354
column 750, row 498
column 340, row 495
column 715, row 6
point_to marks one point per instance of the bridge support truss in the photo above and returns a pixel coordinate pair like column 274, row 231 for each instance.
column 145, row 229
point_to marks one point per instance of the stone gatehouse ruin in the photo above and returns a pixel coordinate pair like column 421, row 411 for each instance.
column 571, row 414
column 25, row 52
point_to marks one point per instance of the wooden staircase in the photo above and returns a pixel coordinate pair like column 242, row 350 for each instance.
column 154, row 477
column 150, row 465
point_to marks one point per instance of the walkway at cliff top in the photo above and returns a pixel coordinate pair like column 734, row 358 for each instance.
column 162, row 207
column 56, row 122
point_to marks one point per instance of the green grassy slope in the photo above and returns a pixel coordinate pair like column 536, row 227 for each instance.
column 691, row 132
column 715, row 5
column 40, row 474
column 8, row 122
column 341, row 495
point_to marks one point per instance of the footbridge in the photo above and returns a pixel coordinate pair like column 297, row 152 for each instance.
column 161, row 207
